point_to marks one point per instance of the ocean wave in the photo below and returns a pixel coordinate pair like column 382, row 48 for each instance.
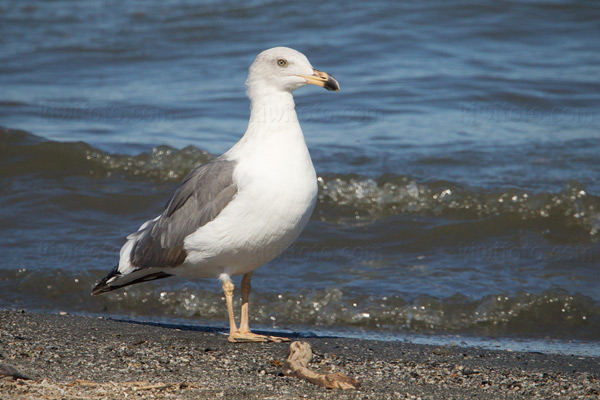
column 24, row 153
column 342, row 198
column 552, row 313
column 546, row 314
column 346, row 198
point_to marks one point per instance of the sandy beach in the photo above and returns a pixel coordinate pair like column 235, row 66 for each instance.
column 74, row 357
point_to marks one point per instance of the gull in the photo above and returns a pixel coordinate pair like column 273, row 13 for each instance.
column 244, row 208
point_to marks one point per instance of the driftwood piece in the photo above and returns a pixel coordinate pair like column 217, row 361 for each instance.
column 296, row 365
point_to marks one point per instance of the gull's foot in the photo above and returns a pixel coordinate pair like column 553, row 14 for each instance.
column 249, row 337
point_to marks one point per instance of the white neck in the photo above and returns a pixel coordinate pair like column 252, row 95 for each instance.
column 273, row 149
column 272, row 109
column 271, row 114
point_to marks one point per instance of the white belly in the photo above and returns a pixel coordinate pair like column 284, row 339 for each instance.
column 275, row 201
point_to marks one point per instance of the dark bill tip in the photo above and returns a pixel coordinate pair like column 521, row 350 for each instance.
column 332, row 84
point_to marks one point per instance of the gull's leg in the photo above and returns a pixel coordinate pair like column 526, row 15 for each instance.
column 244, row 334
column 246, row 287
column 228, row 290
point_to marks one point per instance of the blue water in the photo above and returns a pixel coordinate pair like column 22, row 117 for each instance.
column 459, row 162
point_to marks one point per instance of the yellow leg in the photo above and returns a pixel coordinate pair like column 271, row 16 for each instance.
column 244, row 334
column 228, row 290
column 246, row 287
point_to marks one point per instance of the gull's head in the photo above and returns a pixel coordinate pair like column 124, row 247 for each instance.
column 284, row 69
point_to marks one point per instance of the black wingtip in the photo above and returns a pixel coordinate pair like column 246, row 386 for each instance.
column 102, row 286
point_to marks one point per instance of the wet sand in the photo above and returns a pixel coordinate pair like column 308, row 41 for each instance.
column 74, row 357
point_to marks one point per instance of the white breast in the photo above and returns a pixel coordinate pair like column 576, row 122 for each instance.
column 277, row 194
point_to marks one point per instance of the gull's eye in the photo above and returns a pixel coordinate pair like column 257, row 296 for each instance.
column 282, row 63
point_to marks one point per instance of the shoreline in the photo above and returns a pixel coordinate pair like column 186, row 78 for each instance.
column 94, row 357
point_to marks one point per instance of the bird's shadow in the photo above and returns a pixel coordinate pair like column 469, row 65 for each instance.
column 225, row 331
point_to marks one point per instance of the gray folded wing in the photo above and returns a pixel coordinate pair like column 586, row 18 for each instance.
column 199, row 199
